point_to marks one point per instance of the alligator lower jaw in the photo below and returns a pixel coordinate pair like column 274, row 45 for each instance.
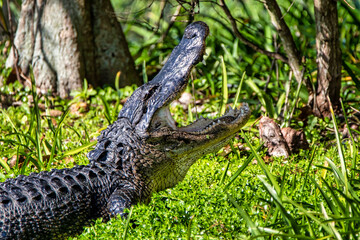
column 183, row 146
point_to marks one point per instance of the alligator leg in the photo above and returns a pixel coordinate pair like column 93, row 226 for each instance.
column 120, row 199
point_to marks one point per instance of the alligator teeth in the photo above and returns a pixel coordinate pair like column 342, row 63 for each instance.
column 232, row 112
column 228, row 109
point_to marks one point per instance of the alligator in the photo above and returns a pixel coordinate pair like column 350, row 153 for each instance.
column 142, row 152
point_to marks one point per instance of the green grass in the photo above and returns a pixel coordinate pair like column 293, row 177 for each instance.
column 243, row 194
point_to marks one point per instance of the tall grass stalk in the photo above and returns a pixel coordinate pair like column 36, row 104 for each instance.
column 260, row 161
column 144, row 74
column 274, row 194
column 353, row 145
column 241, row 169
column 127, row 223
column 265, row 100
column 190, row 114
column 252, row 226
column 228, row 163
column 188, row 234
column 311, row 215
column 338, row 141
column 239, row 90
column 57, row 138
column 293, row 105
column 308, row 168
column 107, row 112
column 224, row 96
column 36, row 114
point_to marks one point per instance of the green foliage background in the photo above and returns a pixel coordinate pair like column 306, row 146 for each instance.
column 238, row 192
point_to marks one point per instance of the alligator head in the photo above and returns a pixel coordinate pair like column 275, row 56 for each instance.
column 148, row 111
column 167, row 151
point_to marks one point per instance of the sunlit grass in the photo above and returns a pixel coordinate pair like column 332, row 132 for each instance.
column 238, row 193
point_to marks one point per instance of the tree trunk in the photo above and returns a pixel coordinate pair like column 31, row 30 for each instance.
column 328, row 57
column 66, row 41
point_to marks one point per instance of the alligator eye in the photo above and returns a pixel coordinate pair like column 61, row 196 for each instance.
column 157, row 125
column 190, row 35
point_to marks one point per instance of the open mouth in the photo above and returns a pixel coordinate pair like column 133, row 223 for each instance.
column 183, row 58
column 206, row 126
column 148, row 108
column 232, row 117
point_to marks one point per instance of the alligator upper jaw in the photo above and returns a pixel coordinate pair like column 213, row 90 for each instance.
column 227, row 124
column 147, row 108
column 149, row 100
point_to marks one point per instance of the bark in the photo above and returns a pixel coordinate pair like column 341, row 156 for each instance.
column 295, row 139
column 328, row 57
column 66, row 41
column 281, row 142
column 273, row 139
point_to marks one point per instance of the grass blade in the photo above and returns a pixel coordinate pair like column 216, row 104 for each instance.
column 265, row 100
column 7, row 117
column 287, row 217
column 106, row 108
column 239, row 90
column 342, row 180
column 188, row 234
column 241, row 169
column 331, row 224
column 353, row 144
column 79, row 149
column 117, row 81
column 127, row 223
column 262, row 164
column 56, row 134
column 144, row 74
column 4, row 165
column 338, row 143
column 37, row 116
column 311, row 216
column 225, row 96
column 308, row 168
column 252, row 227
column 327, row 199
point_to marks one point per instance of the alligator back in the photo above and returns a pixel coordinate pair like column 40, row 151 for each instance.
column 54, row 205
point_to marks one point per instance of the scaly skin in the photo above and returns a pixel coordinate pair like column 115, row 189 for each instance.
column 140, row 153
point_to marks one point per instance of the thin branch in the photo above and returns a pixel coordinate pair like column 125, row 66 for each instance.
column 273, row 63
column 162, row 7
column 288, row 10
column 171, row 23
column 287, row 41
column 349, row 5
column 277, row 56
